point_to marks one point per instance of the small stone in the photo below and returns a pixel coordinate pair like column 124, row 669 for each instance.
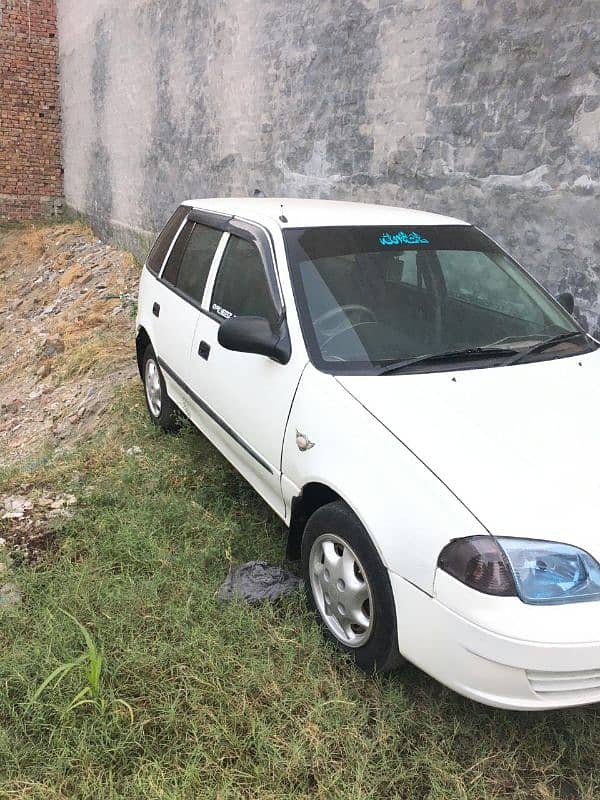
column 60, row 512
column 53, row 345
column 10, row 595
column 16, row 506
column 45, row 502
column 133, row 451
column 10, row 406
column 62, row 500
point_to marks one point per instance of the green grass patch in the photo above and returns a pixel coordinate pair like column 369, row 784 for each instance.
column 148, row 688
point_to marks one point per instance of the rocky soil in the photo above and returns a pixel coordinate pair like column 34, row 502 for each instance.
column 26, row 529
column 67, row 306
column 67, row 302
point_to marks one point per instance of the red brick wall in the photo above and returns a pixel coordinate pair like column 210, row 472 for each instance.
column 30, row 168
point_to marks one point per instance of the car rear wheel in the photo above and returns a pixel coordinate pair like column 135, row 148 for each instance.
column 349, row 589
column 162, row 410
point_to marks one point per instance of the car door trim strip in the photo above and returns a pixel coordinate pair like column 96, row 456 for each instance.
column 213, row 415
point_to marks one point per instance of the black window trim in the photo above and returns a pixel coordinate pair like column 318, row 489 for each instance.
column 245, row 229
column 183, row 237
column 207, row 311
column 261, row 238
column 244, row 236
column 215, row 221
column 160, row 273
column 168, row 251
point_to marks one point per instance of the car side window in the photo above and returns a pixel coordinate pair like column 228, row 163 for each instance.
column 196, row 260
column 171, row 269
column 241, row 287
column 159, row 250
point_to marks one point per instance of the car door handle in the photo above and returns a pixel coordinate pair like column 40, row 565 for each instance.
column 204, row 350
column 156, row 309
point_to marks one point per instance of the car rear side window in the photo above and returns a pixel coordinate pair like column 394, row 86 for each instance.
column 174, row 260
column 159, row 250
column 196, row 261
column 241, row 287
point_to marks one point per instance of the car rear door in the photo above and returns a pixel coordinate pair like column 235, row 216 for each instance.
column 175, row 309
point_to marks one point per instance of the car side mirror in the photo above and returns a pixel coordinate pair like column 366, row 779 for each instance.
column 567, row 301
column 255, row 335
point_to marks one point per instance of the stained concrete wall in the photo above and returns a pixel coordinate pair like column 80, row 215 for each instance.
column 487, row 110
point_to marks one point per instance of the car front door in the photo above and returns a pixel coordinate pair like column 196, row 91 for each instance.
column 245, row 398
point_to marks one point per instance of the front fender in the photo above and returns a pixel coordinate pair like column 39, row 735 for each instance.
column 407, row 510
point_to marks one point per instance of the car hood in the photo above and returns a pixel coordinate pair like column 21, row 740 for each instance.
column 518, row 445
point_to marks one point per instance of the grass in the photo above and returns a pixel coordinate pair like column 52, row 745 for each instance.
column 88, row 355
column 189, row 698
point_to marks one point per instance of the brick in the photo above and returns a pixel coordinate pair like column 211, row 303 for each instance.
column 30, row 145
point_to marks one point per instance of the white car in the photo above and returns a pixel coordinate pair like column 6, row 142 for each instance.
column 418, row 410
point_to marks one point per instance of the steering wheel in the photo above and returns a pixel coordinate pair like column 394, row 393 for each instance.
column 348, row 311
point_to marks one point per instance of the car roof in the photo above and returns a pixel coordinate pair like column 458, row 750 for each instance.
column 307, row 213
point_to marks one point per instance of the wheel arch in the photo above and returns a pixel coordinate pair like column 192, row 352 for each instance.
column 142, row 340
column 313, row 496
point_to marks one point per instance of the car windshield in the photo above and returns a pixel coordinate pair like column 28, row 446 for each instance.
column 373, row 298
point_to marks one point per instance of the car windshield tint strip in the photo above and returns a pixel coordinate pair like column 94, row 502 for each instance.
column 315, row 243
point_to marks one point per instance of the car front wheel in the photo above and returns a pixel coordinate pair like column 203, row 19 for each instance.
column 349, row 589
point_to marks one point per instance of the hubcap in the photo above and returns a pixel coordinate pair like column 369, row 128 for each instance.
column 153, row 390
column 341, row 590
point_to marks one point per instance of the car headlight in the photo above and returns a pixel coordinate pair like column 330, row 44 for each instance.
column 536, row 571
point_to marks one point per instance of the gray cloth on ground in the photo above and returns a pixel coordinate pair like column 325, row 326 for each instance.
column 256, row 581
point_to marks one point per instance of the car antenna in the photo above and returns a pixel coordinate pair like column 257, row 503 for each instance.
column 282, row 216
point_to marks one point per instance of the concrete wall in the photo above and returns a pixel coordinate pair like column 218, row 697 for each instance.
column 484, row 109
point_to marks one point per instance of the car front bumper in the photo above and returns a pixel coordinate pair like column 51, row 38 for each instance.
column 499, row 651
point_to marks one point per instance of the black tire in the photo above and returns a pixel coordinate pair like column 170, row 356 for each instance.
column 167, row 416
column 379, row 653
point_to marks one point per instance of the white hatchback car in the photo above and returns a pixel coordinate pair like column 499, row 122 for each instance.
column 417, row 409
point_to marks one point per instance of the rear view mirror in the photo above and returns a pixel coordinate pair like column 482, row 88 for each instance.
column 254, row 335
column 567, row 301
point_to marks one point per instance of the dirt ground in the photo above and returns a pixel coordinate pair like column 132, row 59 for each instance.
column 67, row 306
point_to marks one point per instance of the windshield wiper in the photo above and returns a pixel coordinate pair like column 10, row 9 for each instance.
column 469, row 352
column 543, row 345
